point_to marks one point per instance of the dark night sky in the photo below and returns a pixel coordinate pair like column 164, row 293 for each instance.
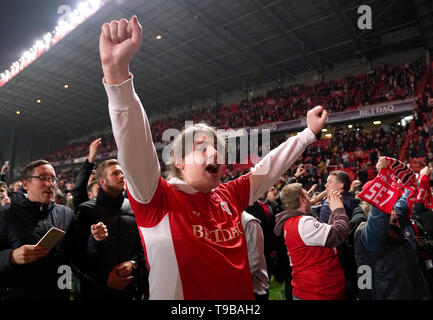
column 22, row 22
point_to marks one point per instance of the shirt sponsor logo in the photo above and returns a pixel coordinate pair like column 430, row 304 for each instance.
column 316, row 224
column 225, row 207
column 217, row 235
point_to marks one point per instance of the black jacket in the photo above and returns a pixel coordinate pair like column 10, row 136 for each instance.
column 79, row 192
column 25, row 222
column 396, row 270
column 99, row 258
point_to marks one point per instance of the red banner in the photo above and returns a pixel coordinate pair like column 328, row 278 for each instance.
column 383, row 191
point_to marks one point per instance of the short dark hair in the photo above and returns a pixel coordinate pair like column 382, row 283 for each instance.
column 342, row 177
column 30, row 168
column 100, row 170
column 91, row 184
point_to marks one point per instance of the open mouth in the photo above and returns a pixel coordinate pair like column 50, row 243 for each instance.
column 212, row 168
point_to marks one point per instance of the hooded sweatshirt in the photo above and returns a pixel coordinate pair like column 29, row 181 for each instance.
column 316, row 270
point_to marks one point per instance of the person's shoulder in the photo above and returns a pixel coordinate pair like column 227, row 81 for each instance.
column 62, row 208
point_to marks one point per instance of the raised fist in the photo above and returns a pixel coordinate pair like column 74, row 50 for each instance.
column 118, row 43
column 316, row 119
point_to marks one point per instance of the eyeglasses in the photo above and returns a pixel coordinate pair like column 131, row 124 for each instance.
column 44, row 178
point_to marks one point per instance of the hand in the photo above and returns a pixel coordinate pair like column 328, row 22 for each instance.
column 115, row 281
column 382, row 163
column 118, row 43
column 299, row 171
column 313, row 187
column 334, row 199
column 6, row 200
column 124, row 269
column 5, row 168
column 319, row 197
column 93, row 149
column 426, row 171
column 316, row 119
column 99, row 231
column 28, row 253
column 355, row 183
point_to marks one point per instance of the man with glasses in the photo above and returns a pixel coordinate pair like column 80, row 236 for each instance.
column 27, row 270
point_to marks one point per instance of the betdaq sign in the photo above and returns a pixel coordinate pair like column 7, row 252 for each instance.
column 396, row 107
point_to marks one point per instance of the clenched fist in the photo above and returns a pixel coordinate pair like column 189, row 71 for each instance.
column 118, row 43
column 316, row 119
column 99, row 231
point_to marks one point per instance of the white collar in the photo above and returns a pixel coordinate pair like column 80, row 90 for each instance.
column 182, row 186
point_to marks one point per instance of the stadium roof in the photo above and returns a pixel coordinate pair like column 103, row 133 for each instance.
column 208, row 47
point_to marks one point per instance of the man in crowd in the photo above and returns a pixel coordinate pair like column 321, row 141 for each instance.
column 27, row 270
column 337, row 181
column 317, row 272
column 380, row 244
column 4, row 196
column 113, row 264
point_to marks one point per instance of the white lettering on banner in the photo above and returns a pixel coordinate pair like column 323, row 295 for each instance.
column 377, row 195
column 365, row 279
column 217, row 235
column 377, row 110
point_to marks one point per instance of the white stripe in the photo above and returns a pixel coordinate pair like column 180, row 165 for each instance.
column 312, row 232
column 164, row 277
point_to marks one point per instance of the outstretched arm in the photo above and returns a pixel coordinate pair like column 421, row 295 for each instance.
column 280, row 159
column 119, row 42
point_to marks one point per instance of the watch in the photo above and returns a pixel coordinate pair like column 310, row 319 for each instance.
column 134, row 264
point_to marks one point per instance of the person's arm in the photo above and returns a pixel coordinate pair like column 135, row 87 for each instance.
column 374, row 233
column 338, row 220
column 119, row 41
column 279, row 160
column 79, row 192
column 314, row 233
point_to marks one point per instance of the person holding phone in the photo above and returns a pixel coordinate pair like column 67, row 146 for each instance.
column 27, row 270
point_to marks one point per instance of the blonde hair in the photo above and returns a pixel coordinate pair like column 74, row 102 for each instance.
column 291, row 196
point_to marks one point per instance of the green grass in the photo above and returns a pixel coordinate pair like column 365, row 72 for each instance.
column 276, row 290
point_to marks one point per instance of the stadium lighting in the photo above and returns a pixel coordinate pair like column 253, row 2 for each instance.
column 324, row 130
column 350, row 126
column 84, row 10
column 66, row 86
column 38, row 101
column 377, row 122
column 328, row 135
column 18, row 112
column 158, row 37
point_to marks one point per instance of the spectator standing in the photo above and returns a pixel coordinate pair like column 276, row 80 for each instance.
column 113, row 264
column 316, row 270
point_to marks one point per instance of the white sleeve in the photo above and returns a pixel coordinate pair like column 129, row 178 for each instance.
column 312, row 232
column 255, row 244
column 267, row 172
column 131, row 130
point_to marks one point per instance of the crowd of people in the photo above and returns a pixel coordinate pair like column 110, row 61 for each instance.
column 384, row 83
column 210, row 231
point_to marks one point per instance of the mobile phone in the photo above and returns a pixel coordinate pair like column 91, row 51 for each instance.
column 7, row 162
column 50, row 239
